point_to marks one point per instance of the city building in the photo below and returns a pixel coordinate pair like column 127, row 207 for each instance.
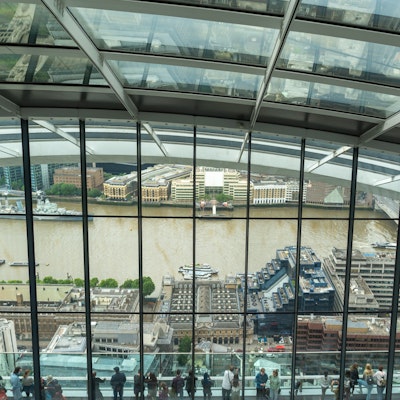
column 303, row 92
column 72, row 176
column 317, row 333
column 376, row 269
column 120, row 187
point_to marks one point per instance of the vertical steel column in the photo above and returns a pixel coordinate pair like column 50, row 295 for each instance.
column 140, row 248
column 26, row 158
column 86, row 269
column 194, row 252
column 246, row 261
column 349, row 251
column 298, row 252
column 393, row 320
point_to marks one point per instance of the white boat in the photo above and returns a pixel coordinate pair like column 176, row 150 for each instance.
column 200, row 269
column 199, row 275
column 384, row 245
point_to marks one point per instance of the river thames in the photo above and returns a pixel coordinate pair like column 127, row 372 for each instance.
column 168, row 241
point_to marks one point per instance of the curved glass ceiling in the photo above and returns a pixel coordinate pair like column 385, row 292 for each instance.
column 326, row 66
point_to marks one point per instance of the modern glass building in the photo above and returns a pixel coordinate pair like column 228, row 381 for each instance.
column 249, row 214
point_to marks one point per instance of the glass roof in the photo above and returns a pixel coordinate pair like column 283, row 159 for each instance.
column 328, row 66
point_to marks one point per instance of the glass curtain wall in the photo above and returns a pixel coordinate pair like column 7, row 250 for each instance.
column 158, row 248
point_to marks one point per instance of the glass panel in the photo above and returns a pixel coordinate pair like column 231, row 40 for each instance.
column 44, row 69
column 134, row 32
column 13, row 246
column 363, row 332
column 341, row 57
column 221, row 188
column 275, row 7
column 112, row 242
column 378, row 188
column 113, row 182
column 359, row 13
column 274, row 183
column 332, row 97
column 376, row 228
column 25, row 23
column 187, row 79
column 324, row 227
column 167, row 187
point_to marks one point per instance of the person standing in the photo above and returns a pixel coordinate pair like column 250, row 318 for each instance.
column 207, row 383
column 16, row 386
column 27, row 383
column 275, row 385
column 354, row 376
column 368, row 380
column 191, row 384
column 177, row 384
column 235, row 394
column 261, row 383
column 227, row 383
column 152, row 385
column 324, row 382
column 117, row 383
column 347, row 384
column 96, row 386
column 380, row 378
column 138, row 384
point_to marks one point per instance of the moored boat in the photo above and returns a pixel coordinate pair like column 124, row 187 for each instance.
column 21, row 264
column 384, row 245
column 200, row 269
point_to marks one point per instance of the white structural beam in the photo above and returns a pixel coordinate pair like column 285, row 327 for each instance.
column 287, row 21
column 246, row 139
column 71, row 26
column 328, row 158
column 387, row 180
column 52, row 128
column 10, row 107
column 153, row 134
column 10, row 152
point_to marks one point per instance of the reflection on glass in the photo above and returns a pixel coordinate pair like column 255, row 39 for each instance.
column 341, row 57
column 358, row 13
column 25, row 23
column 187, row 79
column 151, row 33
column 331, row 97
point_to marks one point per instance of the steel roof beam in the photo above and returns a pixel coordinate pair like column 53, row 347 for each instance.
column 328, row 158
column 387, row 180
column 153, row 134
column 10, row 107
column 380, row 129
column 52, row 128
column 287, row 21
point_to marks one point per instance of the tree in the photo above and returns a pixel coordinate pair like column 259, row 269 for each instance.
column 94, row 193
column 79, row 282
column 185, row 346
column 221, row 197
column 128, row 284
column 148, row 285
column 49, row 280
column 108, row 283
column 94, row 282
column 63, row 189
